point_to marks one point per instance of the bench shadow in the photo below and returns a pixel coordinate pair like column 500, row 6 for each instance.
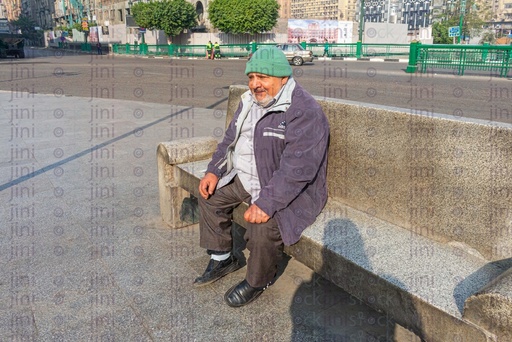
column 322, row 311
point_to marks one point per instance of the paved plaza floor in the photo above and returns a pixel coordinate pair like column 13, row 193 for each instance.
column 85, row 256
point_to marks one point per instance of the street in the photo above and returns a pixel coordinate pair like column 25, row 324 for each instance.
column 205, row 83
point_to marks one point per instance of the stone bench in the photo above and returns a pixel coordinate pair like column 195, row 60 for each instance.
column 418, row 221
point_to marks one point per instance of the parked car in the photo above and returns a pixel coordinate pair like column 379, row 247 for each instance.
column 296, row 54
column 11, row 45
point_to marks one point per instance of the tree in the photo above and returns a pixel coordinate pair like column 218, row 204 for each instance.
column 27, row 27
column 488, row 37
column 171, row 16
column 476, row 14
column 144, row 14
column 176, row 15
column 243, row 16
column 440, row 31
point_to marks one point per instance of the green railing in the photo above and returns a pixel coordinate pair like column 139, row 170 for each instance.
column 243, row 50
column 460, row 58
column 127, row 49
column 235, row 50
column 366, row 50
column 421, row 57
column 173, row 50
column 86, row 47
column 187, row 50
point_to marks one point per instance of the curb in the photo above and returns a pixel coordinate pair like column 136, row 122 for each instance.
column 368, row 59
column 320, row 59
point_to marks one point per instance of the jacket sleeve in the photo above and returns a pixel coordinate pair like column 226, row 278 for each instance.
column 217, row 165
column 305, row 152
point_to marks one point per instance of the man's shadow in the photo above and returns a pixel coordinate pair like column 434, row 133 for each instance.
column 473, row 283
column 322, row 311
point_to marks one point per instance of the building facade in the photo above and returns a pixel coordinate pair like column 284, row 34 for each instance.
column 12, row 9
column 52, row 13
column 323, row 9
column 502, row 10
column 3, row 11
column 415, row 13
column 284, row 9
column 116, row 13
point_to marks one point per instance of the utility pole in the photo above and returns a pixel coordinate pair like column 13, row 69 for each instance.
column 461, row 21
column 359, row 47
column 361, row 21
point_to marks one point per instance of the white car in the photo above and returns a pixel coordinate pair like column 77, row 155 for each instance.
column 296, row 54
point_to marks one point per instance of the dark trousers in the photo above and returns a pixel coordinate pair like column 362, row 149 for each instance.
column 263, row 240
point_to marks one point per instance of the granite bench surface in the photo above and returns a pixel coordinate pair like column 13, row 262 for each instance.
column 442, row 275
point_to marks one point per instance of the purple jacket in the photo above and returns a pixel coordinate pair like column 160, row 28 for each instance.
column 290, row 150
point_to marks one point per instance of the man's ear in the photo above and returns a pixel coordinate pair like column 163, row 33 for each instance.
column 284, row 80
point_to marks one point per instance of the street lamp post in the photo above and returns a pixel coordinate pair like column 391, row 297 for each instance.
column 359, row 47
column 361, row 21
column 461, row 21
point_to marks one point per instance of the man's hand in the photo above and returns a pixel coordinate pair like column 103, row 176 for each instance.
column 207, row 185
column 255, row 215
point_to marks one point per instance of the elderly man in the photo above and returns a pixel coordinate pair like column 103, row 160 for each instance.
column 274, row 157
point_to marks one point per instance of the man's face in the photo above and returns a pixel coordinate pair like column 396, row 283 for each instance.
column 264, row 87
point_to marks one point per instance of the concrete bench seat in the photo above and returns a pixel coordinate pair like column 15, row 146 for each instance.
column 418, row 222
column 421, row 282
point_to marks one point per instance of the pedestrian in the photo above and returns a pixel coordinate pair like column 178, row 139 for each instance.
column 212, row 51
column 274, row 157
column 216, row 48
column 326, row 47
column 98, row 47
column 209, row 48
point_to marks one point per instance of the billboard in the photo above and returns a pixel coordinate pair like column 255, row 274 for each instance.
column 316, row 31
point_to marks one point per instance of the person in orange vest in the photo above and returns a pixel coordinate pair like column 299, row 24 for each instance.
column 216, row 49
column 209, row 51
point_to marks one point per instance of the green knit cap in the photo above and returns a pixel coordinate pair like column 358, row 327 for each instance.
column 269, row 61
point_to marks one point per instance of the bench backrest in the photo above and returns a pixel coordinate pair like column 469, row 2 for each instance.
column 440, row 176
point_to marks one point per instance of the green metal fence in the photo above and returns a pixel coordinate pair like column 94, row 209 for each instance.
column 86, row 47
column 459, row 58
column 235, row 50
column 421, row 57
column 187, row 50
column 243, row 50
column 333, row 50
column 173, row 50
column 351, row 50
column 127, row 49
column 386, row 50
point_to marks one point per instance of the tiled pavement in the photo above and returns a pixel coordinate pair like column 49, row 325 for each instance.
column 85, row 256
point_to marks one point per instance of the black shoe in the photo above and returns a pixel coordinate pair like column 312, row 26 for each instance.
column 242, row 294
column 216, row 270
